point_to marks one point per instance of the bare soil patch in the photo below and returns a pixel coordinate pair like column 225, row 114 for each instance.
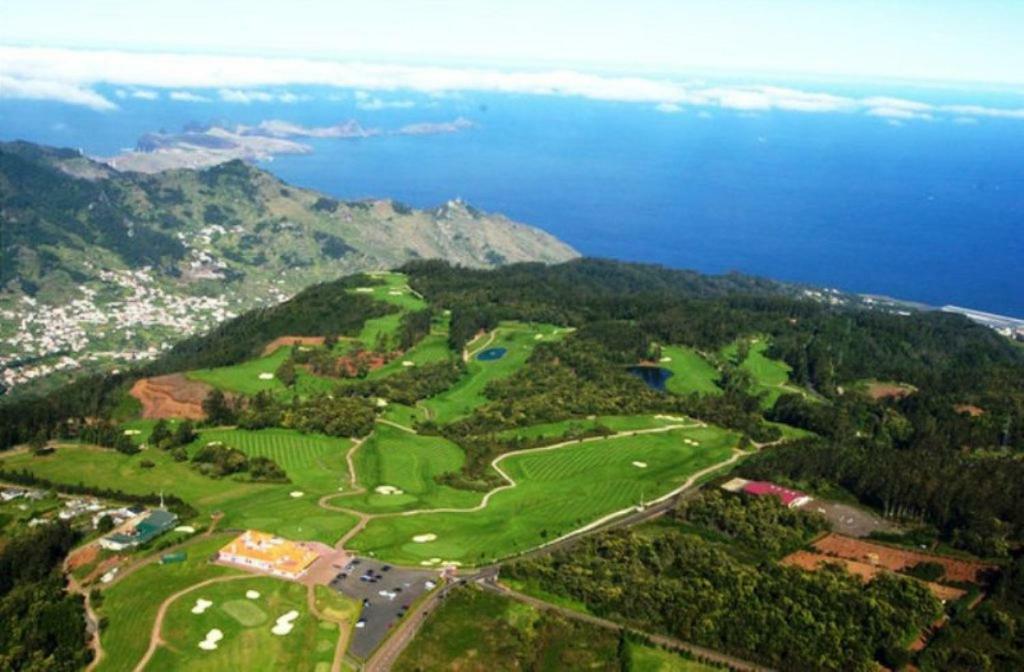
column 83, row 556
column 172, row 396
column 812, row 562
column 889, row 390
column 969, row 409
column 897, row 559
column 288, row 341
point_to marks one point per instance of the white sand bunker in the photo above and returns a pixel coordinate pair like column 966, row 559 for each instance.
column 364, row 290
column 640, row 465
column 673, row 418
column 424, row 538
column 285, row 623
column 212, row 637
column 395, row 292
column 691, row 442
column 431, row 562
column 296, row 493
column 408, row 362
column 266, row 376
column 132, row 432
column 187, row 529
column 252, row 594
column 387, row 490
column 537, row 337
column 665, row 359
column 201, row 606
column 381, row 402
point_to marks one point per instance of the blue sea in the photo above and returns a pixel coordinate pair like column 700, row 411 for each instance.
column 930, row 211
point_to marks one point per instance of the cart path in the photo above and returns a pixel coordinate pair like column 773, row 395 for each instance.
column 154, row 636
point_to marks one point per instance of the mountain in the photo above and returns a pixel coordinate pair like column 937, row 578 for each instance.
column 101, row 266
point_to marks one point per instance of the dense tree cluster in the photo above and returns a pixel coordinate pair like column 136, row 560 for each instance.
column 411, row 384
column 218, row 460
column 783, row 617
column 759, row 523
column 44, row 625
column 323, row 414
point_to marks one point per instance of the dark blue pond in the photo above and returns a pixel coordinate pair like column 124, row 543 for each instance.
column 654, row 376
column 490, row 354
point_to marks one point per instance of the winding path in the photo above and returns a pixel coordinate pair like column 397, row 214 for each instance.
column 154, row 636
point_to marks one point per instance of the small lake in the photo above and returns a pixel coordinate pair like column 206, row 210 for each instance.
column 491, row 354
column 654, row 376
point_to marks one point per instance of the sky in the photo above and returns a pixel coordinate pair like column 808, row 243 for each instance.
column 976, row 41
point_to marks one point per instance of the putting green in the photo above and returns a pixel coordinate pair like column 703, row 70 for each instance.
column 558, row 491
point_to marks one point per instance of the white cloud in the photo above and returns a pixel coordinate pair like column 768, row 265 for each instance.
column 66, row 75
column 668, row 108
column 37, row 89
column 187, row 97
column 373, row 103
column 143, row 94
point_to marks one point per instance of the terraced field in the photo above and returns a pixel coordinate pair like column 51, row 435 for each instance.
column 557, row 491
column 518, row 339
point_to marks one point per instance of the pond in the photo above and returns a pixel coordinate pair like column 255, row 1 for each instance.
column 490, row 354
column 654, row 376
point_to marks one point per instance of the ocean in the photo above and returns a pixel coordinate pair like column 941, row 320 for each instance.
column 929, row 211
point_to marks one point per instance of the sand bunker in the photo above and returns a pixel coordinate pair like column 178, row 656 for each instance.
column 537, row 337
column 673, row 418
column 296, row 493
column 640, row 465
column 691, row 442
column 201, row 606
column 132, row 432
column 424, row 538
column 364, row 290
column 187, row 529
column 665, row 359
column 381, row 402
column 394, row 292
column 212, row 637
column 408, row 363
column 266, row 376
column 252, row 594
column 285, row 623
column 387, row 490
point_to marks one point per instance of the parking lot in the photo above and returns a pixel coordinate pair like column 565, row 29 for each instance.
column 386, row 593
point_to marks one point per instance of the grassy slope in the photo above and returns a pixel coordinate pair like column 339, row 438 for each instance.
column 476, row 630
column 559, row 490
column 771, row 376
column 408, row 462
column 690, row 371
column 519, row 339
column 652, row 659
column 248, row 643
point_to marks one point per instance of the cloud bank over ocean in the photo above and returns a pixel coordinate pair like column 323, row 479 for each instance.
column 70, row 76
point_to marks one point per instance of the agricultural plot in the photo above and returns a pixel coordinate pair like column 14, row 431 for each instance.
column 249, row 637
column 691, row 373
column 397, row 469
column 517, row 339
column 557, row 491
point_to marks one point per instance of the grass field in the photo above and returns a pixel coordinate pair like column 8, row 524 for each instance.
column 269, row 507
column 245, row 377
column 409, row 462
column 652, row 659
column 479, row 631
column 558, row 491
column 394, row 290
column 131, row 604
column 690, row 371
column 519, row 339
column 248, row 642
column 771, row 376
column 618, row 423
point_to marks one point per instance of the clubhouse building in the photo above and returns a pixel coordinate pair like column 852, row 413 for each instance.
column 268, row 553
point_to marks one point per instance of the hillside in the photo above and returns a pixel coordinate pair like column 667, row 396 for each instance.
column 101, row 266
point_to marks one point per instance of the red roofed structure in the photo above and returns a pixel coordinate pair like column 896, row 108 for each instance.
column 790, row 498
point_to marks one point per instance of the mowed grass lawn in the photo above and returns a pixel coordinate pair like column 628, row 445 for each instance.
column 558, row 491
column 131, row 604
column 771, row 376
column 690, row 371
column 264, row 506
column 408, row 462
column 246, row 624
column 245, row 377
column 652, row 659
column 617, row 423
column 519, row 340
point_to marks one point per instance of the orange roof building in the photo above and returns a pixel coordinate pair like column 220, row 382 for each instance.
column 268, row 553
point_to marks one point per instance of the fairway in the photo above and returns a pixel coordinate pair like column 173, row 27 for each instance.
column 246, row 624
column 267, row 506
column 519, row 340
column 771, row 376
column 691, row 373
column 558, row 491
column 245, row 377
column 393, row 458
column 616, row 423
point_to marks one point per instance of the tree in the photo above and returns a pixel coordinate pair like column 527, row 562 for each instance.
column 218, row 411
column 286, row 372
column 105, row 524
column 184, row 434
column 161, row 434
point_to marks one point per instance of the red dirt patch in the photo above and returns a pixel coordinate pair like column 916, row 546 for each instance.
column 288, row 341
column 173, row 396
column 897, row 559
column 812, row 562
column 889, row 390
column 969, row 409
column 83, row 556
